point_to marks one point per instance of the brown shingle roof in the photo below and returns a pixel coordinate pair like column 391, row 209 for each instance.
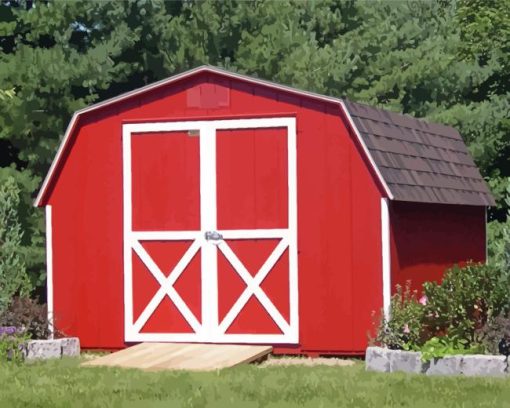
column 418, row 160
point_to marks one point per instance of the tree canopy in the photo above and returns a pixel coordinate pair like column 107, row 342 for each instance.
column 448, row 61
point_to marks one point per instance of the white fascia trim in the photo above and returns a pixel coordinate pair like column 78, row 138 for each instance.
column 365, row 149
column 56, row 160
column 386, row 256
column 184, row 75
column 156, row 85
column 49, row 269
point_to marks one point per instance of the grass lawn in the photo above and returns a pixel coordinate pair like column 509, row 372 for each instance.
column 62, row 383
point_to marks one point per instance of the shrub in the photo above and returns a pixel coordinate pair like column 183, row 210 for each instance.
column 494, row 336
column 13, row 275
column 458, row 314
column 11, row 345
column 437, row 347
column 463, row 302
column 403, row 329
column 28, row 315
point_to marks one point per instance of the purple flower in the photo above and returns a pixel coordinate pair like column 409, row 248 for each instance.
column 7, row 330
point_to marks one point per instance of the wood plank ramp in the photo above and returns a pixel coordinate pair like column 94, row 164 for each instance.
column 181, row 356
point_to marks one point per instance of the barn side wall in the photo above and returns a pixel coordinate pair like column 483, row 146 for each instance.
column 339, row 227
column 426, row 239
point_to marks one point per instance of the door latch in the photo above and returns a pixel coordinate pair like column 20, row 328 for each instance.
column 213, row 236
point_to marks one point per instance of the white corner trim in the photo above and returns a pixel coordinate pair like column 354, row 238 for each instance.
column 365, row 150
column 386, row 256
column 49, row 269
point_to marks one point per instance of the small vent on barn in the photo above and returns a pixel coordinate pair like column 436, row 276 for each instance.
column 208, row 96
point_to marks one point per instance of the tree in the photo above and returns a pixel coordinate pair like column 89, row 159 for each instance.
column 13, row 276
column 446, row 61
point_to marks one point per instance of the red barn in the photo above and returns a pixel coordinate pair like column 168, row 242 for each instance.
column 215, row 207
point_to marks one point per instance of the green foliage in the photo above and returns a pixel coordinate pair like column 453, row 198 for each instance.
column 438, row 347
column 498, row 238
column 11, row 347
column 446, row 61
column 13, row 276
column 464, row 300
column 403, row 329
column 459, row 315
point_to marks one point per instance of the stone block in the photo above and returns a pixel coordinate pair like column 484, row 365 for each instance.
column 70, row 346
column 449, row 365
column 377, row 359
column 42, row 349
column 406, row 361
column 473, row 365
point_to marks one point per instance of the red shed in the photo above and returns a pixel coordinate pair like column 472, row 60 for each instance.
column 215, row 207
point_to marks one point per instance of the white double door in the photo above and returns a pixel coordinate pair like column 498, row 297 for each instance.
column 242, row 216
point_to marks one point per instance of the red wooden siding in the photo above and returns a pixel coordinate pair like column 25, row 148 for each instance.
column 339, row 236
column 426, row 239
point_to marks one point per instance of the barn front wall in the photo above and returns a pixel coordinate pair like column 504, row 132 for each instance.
column 426, row 239
column 338, row 214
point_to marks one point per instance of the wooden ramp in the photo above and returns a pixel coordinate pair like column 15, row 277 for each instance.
column 173, row 356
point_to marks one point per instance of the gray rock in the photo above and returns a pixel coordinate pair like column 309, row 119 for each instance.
column 377, row 359
column 449, row 365
column 483, row 365
column 406, row 361
column 70, row 346
column 42, row 349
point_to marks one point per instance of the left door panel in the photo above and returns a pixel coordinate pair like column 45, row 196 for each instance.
column 165, row 220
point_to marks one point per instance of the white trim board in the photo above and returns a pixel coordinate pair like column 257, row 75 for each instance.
column 211, row 329
column 65, row 140
column 49, row 269
column 386, row 256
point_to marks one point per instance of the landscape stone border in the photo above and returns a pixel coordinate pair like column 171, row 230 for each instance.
column 46, row 349
column 389, row 361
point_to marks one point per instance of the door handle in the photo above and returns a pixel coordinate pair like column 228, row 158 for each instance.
column 213, row 236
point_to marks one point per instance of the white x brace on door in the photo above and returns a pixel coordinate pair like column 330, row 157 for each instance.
column 210, row 241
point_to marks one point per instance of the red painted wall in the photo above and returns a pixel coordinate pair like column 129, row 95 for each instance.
column 339, row 249
column 426, row 239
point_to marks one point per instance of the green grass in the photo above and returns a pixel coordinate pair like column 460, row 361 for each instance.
column 63, row 383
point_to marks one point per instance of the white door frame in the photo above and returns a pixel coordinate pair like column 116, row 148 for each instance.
column 211, row 329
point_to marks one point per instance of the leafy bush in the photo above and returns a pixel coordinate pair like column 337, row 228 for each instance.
column 11, row 345
column 13, row 275
column 460, row 314
column 437, row 347
column 464, row 301
column 404, row 326
column 494, row 336
column 27, row 315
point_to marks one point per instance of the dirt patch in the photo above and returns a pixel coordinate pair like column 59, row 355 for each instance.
column 288, row 361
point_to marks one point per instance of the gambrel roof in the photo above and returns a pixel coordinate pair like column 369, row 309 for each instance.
column 413, row 159
column 420, row 161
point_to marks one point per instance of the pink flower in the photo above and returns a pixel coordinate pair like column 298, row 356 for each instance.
column 406, row 329
column 423, row 300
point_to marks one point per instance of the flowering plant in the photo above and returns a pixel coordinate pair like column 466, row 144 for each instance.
column 402, row 329
column 12, row 340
